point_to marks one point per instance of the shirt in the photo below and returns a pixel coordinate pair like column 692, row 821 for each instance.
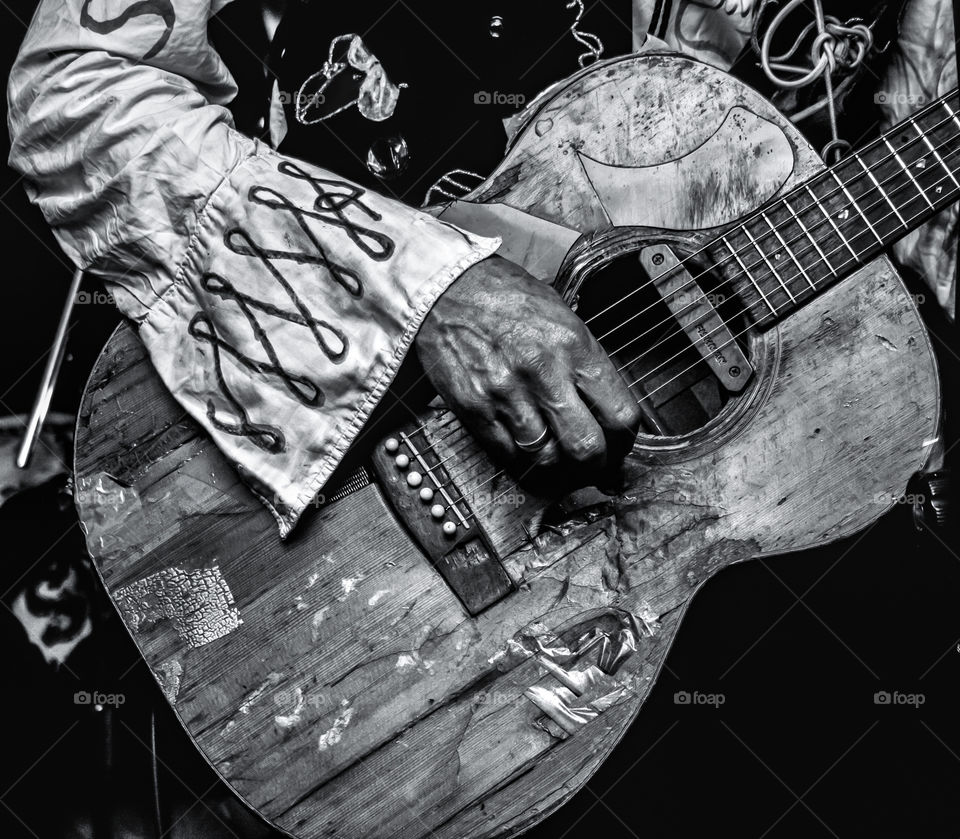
column 276, row 299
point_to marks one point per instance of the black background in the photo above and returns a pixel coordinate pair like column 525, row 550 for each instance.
column 798, row 647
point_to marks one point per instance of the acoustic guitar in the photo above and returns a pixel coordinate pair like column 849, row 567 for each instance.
column 437, row 652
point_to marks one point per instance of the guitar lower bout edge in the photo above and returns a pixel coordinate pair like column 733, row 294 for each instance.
column 397, row 670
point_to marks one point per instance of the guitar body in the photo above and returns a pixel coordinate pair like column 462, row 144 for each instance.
column 336, row 681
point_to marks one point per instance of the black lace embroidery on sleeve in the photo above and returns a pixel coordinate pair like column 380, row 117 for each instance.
column 334, row 199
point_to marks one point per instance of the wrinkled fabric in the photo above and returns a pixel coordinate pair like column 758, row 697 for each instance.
column 276, row 300
column 714, row 32
column 923, row 67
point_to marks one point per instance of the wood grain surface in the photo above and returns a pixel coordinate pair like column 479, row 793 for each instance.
column 337, row 683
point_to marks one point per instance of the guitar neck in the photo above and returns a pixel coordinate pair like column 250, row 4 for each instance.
column 834, row 223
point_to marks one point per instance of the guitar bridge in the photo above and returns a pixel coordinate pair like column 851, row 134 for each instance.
column 419, row 479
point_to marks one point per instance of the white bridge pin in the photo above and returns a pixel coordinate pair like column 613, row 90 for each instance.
column 414, row 479
column 437, row 511
column 426, row 494
column 402, row 461
column 392, row 444
column 449, row 528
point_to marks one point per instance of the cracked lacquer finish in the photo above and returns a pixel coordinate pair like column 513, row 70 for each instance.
column 336, row 681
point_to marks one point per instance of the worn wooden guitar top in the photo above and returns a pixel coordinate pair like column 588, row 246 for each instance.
column 340, row 682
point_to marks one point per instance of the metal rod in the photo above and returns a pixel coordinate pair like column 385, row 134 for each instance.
column 42, row 403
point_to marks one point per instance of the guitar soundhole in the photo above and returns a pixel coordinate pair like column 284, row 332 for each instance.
column 640, row 327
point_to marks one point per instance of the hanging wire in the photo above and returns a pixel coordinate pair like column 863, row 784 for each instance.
column 837, row 47
column 592, row 43
column 447, row 185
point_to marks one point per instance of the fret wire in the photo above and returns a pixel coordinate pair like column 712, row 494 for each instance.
column 845, row 186
column 756, row 283
column 820, row 206
column 773, row 270
column 786, row 247
column 746, row 271
column 880, row 189
column 913, row 219
column 833, row 224
column 856, row 206
column 934, row 152
column 926, row 111
column 953, row 116
column 727, row 342
column 917, row 157
column 813, row 241
column 906, row 169
column 870, row 252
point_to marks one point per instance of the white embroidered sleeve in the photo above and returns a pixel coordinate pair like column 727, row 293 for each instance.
column 276, row 300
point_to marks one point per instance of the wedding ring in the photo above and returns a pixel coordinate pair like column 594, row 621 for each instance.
column 534, row 445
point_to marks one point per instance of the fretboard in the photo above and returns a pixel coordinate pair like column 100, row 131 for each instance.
column 822, row 231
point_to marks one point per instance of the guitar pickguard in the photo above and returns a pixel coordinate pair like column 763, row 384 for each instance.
column 748, row 160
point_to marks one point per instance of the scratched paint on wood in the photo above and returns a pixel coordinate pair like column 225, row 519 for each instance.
column 335, row 709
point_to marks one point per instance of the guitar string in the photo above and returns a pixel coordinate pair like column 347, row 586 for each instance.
column 750, row 246
column 883, row 198
column 754, row 265
column 746, row 309
column 474, row 513
column 828, row 171
column 789, row 280
column 472, row 490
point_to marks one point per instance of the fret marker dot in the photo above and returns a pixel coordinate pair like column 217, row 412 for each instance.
column 402, row 461
column 426, row 494
column 921, row 164
column 939, row 190
column 414, row 479
column 449, row 528
column 845, row 214
column 392, row 444
column 437, row 511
